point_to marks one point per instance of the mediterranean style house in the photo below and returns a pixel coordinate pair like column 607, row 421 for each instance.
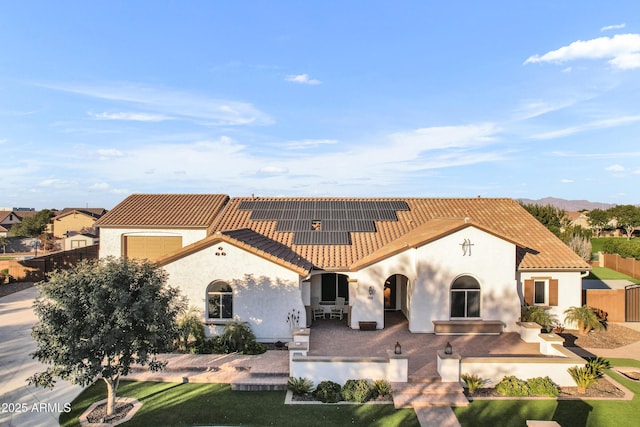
column 449, row 265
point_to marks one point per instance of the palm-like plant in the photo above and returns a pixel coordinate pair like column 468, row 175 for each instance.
column 533, row 313
column 585, row 318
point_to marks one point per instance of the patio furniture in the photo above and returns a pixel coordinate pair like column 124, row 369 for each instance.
column 338, row 310
column 316, row 310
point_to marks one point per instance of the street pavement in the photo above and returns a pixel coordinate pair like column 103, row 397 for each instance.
column 21, row 404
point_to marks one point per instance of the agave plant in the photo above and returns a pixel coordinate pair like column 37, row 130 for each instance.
column 473, row 382
column 585, row 318
column 583, row 377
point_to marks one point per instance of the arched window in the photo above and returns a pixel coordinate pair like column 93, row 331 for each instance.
column 219, row 300
column 465, row 297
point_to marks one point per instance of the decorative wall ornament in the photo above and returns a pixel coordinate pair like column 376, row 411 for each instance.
column 466, row 247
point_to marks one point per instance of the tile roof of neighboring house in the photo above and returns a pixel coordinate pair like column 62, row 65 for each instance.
column 92, row 212
column 4, row 215
column 165, row 210
column 538, row 247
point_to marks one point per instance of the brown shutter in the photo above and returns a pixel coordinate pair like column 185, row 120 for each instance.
column 528, row 292
column 553, row 292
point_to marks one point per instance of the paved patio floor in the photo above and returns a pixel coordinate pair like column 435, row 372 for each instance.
column 335, row 338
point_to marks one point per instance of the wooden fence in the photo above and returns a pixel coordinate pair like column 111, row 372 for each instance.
column 611, row 301
column 628, row 266
column 36, row 269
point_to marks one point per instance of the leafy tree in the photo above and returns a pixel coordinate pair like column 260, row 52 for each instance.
column 598, row 220
column 100, row 317
column 4, row 242
column 551, row 217
column 628, row 217
column 33, row 226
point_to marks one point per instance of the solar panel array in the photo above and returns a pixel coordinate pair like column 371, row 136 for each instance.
column 336, row 218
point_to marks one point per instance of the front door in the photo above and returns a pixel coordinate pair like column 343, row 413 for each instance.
column 390, row 293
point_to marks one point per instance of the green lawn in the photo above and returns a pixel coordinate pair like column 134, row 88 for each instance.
column 602, row 273
column 176, row 404
column 568, row 413
column 596, row 243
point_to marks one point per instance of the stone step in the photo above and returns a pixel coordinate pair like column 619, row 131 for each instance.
column 262, row 383
column 427, row 400
column 424, row 379
column 427, row 388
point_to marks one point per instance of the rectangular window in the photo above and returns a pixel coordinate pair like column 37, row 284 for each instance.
column 220, row 306
column 473, row 304
column 539, row 294
column 334, row 285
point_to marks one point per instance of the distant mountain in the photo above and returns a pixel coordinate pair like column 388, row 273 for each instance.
column 568, row 205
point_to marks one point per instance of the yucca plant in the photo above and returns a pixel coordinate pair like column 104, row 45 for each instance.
column 597, row 365
column 300, row 386
column 473, row 382
column 585, row 318
column 583, row 377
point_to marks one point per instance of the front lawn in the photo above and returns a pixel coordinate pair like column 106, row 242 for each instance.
column 176, row 404
column 568, row 413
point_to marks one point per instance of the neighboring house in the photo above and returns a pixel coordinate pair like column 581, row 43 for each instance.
column 74, row 220
column 79, row 240
column 578, row 219
column 7, row 220
column 438, row 261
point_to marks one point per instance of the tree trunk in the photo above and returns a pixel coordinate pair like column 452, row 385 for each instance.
column 112, row 388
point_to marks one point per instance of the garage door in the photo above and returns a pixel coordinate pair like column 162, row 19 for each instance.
column 151, row 247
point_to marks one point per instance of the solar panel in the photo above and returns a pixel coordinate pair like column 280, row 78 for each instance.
column 321, row 238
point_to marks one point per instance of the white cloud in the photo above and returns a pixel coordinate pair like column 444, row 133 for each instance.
column 613, row 27
column 273, row 170
column 308, row 143
column 302, row 79
column 615, row 168
column 108, row 153
column 536, row 108
column 566, row 181
column 99, row 186
column 637, row 171
column 3, row 141
column 623, row 51
column 174, row 104
column 598, row 124
column 137, row 117
column 567, row 70
column 56, row 183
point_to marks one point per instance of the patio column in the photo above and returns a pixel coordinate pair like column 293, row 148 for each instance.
column 449, row 367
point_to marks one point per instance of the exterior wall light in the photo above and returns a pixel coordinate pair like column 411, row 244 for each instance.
column 371, row 291
column 398, row 349
column 448, row 349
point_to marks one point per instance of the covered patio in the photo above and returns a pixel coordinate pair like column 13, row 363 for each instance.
column 332, row 337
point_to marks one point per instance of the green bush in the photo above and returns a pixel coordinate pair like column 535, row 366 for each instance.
column 533, row 313
column 540, row 386
column 511, row 386
column 299, row 386
column 597, row 365
column 356, row 391
column 190, row 330
column 328, row 392
column 473, row 382
column 583, row 377
column 380, row 389
column 238, row 337
column 622, row 247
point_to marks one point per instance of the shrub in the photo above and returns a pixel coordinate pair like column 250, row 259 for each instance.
column 380, row 389
column 299, row 386
column 511, row 386
column 473, row 382
column 583, row 377
column 585, row 318
column 542, row 387
column 190, row 330
column 238, row 337
column 597, row 366
column 356, row 391
column 533, row 313
column 328, row 392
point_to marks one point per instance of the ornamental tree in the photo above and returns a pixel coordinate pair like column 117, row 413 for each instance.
column 598, row 220
column 99, row 318
column 628, row 217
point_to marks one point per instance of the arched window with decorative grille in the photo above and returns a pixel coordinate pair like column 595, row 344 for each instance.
column 465, row 298
column 219, row 300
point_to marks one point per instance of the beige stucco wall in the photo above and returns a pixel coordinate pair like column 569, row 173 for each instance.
column 75, row 221
column 111, row 238
column 264, row 293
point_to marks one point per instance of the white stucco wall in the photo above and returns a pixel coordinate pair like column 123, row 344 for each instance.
column 264, row 293
column 432, row 268
column 111, row 238
column 569, row 291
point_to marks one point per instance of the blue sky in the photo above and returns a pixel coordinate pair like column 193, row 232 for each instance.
column 102, row 99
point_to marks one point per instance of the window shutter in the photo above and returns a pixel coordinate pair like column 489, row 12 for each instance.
column 528, row 292
column 553, row 292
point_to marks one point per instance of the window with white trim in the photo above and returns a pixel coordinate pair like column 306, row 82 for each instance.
column 540, row 292
column 219, row 300
column 465, row 298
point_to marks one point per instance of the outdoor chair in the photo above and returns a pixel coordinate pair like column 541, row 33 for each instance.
column 316, row 311
column 338, row 310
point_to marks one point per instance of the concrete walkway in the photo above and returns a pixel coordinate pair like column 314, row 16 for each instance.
column 25, row 405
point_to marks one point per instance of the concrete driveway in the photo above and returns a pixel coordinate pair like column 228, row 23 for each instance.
column 21, row 404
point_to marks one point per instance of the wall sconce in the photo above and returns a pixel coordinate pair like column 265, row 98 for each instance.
column 448, row 349
column 398, row 349
column 371, row 291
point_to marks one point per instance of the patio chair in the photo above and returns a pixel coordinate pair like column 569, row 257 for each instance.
column 316, row 311
column 338, row 310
